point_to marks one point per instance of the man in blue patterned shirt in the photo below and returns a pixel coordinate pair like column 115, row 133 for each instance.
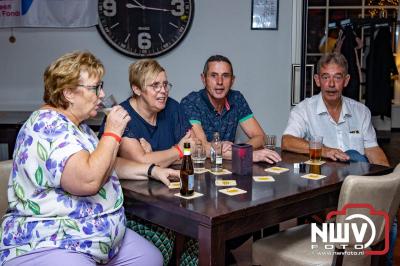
column 217, row 108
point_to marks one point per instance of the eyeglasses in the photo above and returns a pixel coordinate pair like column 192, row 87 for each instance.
column 95, row 88
column 157, row 86
column 336, row 77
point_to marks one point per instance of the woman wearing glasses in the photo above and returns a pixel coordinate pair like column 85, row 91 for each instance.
column 158, row 128
column 155, row 134
column 65, row 199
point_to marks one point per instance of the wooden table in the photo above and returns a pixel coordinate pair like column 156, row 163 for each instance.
column 216, row 217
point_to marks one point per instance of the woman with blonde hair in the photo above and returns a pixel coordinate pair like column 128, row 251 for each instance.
column 65, row 198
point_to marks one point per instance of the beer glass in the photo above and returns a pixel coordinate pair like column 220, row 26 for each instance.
column 107, row 103
column 199, row 157
column 315, row 169
column 315, row 148
column 270, row 142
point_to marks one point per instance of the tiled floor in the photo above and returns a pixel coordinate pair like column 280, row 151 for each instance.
column 391, row 146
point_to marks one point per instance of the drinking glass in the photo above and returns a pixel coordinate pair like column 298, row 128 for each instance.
column 315, row 148
column 199, row 157
column 270, row 142
column 107, row 103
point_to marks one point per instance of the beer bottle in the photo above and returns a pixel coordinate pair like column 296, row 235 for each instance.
column 216, row 153
column 187, row 172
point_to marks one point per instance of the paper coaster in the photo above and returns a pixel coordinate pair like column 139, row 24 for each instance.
column 174, row 185
column 225, row 183
column 313, row 176
column 195, row 195
column 315, row 163
column 276, row 170
column 232, row 191
column 265, row 178
column 223, row 172
column 201, row 171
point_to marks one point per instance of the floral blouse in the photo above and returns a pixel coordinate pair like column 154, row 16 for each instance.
column 41, row 214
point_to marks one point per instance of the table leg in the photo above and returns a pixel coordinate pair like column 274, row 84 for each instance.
column 211, row 246
column 180, row 241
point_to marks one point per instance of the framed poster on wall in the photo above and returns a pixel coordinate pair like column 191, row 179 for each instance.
column 264, row 14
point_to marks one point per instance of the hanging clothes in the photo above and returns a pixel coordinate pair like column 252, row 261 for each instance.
column 380, row 66
column 348, row 45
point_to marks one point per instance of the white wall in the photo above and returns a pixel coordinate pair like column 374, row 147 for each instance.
column 261, row 59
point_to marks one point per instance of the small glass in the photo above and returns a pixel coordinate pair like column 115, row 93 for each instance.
column 315, row 148
column 107, row 103
column 199, row 157
column 270, row 142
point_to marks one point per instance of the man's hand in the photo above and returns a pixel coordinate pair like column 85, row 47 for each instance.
column 265, row 155
column 226, row 146
column 334, row 154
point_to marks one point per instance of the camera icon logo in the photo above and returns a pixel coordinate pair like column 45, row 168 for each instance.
column 359, row 235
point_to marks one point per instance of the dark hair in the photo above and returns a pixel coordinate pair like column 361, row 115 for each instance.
column 333, row 58
column 216, row 58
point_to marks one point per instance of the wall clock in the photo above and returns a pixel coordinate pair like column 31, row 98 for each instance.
column 144, row 28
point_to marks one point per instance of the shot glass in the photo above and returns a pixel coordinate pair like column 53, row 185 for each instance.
column 107, row 103
column 270, row 142
column 199, row 157
column 315, row 148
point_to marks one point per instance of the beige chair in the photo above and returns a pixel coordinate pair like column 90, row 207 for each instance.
column 5, row 170
column 293, row 246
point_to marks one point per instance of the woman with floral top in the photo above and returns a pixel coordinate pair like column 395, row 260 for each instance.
column 65, row 199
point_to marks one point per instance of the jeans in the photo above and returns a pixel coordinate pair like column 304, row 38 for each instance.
column 355, row 156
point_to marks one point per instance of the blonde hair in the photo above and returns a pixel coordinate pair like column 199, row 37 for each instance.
column 142, row 70
column 64, row 73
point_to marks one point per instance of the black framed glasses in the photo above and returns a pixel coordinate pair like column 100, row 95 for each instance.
column 157, row 86
column 95, row 88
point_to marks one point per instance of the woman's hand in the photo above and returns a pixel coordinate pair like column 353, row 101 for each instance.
column 146, row 146
column 165, row 175
column 188, row 138
column 117, row 120
column 266, row 155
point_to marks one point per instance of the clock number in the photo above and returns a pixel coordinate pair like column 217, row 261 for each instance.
column 178, row 8
column 110, row 8
column 144, row 40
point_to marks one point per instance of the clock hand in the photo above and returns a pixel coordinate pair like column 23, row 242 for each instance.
column 146, row 7
column 139, row 4
column 158, row 9
column 134, row 6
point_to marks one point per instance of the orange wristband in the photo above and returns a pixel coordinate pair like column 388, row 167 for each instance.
column 115, row 136
column 179, row 151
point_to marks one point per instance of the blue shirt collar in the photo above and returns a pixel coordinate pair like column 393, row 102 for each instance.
column 204, row 96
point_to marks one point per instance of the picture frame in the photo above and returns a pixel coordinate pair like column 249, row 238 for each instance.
column 296, row 86
column 264, row 14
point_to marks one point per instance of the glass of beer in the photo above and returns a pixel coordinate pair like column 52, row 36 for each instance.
column 315, row 148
